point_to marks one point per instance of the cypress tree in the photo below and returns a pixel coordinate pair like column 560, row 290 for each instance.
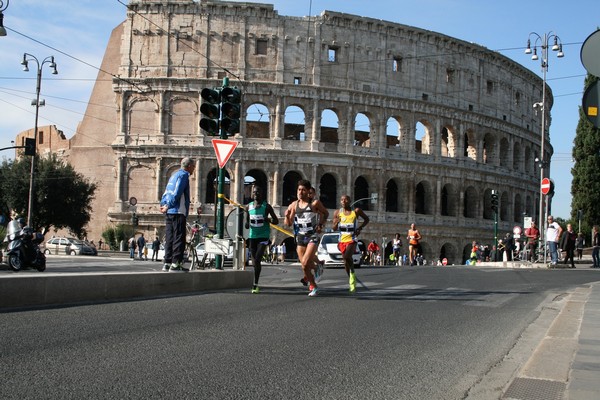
column 585, row 187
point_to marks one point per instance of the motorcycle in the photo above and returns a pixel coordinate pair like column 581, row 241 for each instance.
column 23, row 250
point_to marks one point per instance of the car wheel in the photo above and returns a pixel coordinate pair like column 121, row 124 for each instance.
column 47, row 252
column 73, row 253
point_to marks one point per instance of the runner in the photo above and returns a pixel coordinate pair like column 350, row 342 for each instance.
column 307, row 218
column 413, row 243
column 345, row 220
column 258, row 212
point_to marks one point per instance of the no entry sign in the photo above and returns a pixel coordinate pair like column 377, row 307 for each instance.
column 545, row 186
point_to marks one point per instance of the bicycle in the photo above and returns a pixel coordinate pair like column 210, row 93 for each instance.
column 195, row 233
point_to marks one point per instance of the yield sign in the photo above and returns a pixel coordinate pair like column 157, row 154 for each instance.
column 545, row 186
column 224, row 149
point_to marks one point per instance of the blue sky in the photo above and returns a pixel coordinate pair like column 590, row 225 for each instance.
column 76, row 33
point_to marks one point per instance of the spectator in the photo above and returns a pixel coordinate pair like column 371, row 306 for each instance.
column 595, row 247
column 579, row 245
column 175, row 204
column 141, row 245
column 533, row 235
column 553, row 234
column 567, row 244
column 373, row 250
column 155, row 249
column 131, row 245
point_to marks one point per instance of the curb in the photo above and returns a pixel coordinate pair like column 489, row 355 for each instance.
column 65, row 289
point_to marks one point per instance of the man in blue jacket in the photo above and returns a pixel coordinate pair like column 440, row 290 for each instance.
column 175, row 204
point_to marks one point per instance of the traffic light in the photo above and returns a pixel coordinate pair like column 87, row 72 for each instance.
column 210, row 110
column 230, row 121
column 135, row 220
column 494, row 200
column 29, row 146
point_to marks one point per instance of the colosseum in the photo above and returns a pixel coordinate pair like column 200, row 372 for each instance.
column 416, row 125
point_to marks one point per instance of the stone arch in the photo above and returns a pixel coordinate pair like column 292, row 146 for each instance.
column 328, row 191
column 489, row 149
column 504, row 207
column 290, row 184
column 330, row 123
column 518, row 209
column 142, row 183
column 423, row 199
column 362, row 137
column 450, row 252
column 528, row 160
column 392, row 193
column 361, row 191
column 394, row 134
column 258, row 121
column 517, row 156
column 470, row 203
column 504, row 152
column 294, row 123
column 448, row 141
column 183, row 116
column 423, row 136
column 211, row 186
column 260, row 179
column 449, row 200
column 142, row 117
column 470, row 145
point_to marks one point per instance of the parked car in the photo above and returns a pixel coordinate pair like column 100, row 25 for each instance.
column 329, row 253
column 70, row 246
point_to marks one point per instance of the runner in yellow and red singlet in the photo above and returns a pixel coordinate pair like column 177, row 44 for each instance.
column 345, row 220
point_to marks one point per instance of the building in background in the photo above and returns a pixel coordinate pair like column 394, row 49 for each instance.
column 427, row 123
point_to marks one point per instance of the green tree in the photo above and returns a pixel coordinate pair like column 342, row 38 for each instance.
column 62, row 197
column 585, row 187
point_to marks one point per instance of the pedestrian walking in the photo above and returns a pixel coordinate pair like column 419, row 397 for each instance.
column 567, row 244
column 141, row 245
column 175, row 204
column 131, row 245
column 579, row 245
column 259, row 217
column 595, row 247
column 155, row 249
column 345, row 221
column 553, row 234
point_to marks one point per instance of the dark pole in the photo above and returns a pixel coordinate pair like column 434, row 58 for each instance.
column 221, row 195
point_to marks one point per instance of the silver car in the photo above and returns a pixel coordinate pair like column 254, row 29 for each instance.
column 69, row 246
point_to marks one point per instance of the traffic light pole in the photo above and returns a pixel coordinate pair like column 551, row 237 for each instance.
column 221, row 195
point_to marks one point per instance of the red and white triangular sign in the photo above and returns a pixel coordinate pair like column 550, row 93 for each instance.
column 224, row 149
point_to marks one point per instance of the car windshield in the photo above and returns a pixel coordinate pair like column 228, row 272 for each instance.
column 327, row 239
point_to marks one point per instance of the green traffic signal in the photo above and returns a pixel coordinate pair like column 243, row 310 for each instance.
column 210, row 110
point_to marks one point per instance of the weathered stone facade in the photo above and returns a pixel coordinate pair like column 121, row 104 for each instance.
column 480, row 131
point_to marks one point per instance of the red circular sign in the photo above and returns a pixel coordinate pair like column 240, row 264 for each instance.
column 545, row 186
column 444, row 261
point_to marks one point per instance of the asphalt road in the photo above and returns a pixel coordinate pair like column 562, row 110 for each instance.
column 411, row 333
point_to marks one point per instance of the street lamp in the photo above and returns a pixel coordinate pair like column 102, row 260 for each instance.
column 2, row 8
column 542, row 42
column 37, row 103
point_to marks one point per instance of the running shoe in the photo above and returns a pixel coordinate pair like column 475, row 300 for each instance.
column 166, row 267
column 313, row 291
column 177, row 268
column 352, row 282
column 255, row 289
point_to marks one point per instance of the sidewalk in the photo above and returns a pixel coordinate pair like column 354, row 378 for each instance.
column 557, row 356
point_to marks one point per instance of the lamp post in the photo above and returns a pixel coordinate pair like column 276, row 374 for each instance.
column 2, row 8
column 37, row 103
column 542, row 42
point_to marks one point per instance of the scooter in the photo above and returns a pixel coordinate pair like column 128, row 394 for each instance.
column 23, row 250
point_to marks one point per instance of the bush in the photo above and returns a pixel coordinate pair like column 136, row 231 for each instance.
column 114, row 235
